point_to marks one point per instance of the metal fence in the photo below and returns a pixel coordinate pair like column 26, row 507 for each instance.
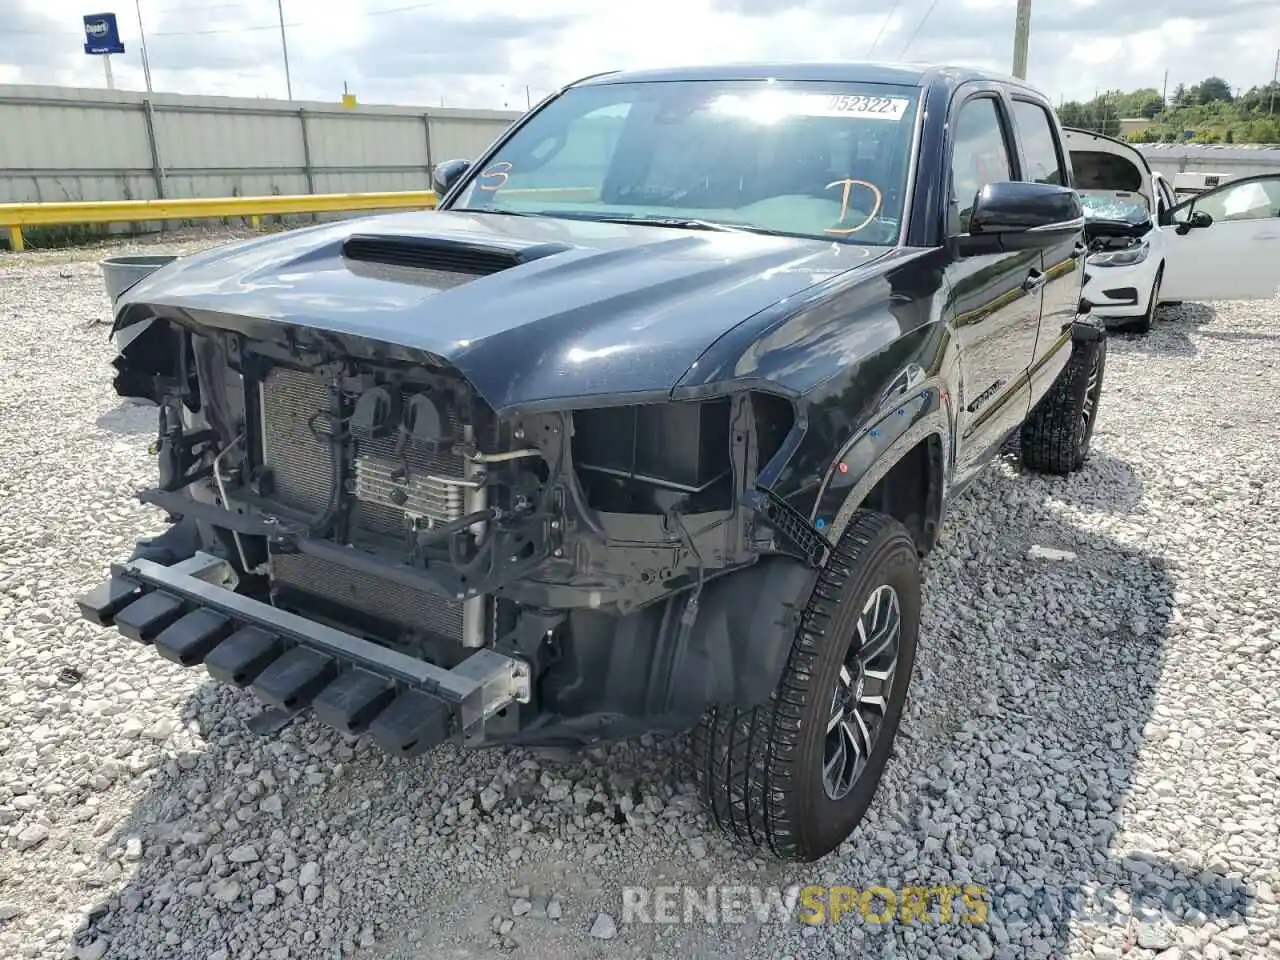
column 60, row 143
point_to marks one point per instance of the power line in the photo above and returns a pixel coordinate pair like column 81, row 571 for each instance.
column 412, row 6
column 884, row 23
column 189, row 10
column 276, row 26
column 915, row 33
column 209, row 33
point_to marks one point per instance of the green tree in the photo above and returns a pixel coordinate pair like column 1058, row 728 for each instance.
column 1213, row 89
column 1207, row 110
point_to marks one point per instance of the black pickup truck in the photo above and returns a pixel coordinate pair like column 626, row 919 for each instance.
column 645, row 428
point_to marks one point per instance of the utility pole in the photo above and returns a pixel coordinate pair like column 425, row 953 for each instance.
column 284, row 46
column 1275, row 80
column 1021, row 38
column 1164, row 92
column 146, row 63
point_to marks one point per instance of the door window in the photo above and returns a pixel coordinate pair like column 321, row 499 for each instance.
column 1165, row 200
column 1039, row 144
column 979, row 156
column 1255, row 200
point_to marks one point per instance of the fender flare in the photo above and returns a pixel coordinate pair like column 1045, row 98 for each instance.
column 880, row 446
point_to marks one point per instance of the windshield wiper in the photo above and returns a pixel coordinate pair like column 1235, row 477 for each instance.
column 685, row 223
column 505, row 213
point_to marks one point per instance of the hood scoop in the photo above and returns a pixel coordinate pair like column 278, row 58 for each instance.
column 461, row 259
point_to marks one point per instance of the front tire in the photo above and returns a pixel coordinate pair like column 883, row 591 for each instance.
column 1143, row 323
column 1056, row 437
column 795, row 775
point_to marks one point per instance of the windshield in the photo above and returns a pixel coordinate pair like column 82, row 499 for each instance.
column 822, row 160
column 1114, row 205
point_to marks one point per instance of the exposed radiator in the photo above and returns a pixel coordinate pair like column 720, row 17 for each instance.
column 293, row 438
column 393, row 492
column 387, row 600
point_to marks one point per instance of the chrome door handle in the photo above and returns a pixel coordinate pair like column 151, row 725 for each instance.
column 1035, row 280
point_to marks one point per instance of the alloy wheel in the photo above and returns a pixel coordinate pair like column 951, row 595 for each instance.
column 1091, row 391
column 863, row 688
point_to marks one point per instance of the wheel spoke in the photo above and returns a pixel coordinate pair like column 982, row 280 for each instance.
column 886, row 626
column 837, row 718
column 833, row 768
column 1090, row 392
column 859, row 734
column 860, row 699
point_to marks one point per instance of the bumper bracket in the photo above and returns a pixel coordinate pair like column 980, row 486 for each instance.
column 192, row 615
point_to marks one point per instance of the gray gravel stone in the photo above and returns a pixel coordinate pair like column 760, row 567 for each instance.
column 1106, row 718
column 604, row 927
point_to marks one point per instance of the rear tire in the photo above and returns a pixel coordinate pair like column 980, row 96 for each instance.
column 775, row 776
column 1056, row 437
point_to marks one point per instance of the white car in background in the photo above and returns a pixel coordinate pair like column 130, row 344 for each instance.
column 1148, row 248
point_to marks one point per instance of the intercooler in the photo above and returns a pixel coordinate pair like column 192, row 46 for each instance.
column 393, row 490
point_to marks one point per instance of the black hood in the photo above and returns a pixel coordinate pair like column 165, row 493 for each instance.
column 529, row 309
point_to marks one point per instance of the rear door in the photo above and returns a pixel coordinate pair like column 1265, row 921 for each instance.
column 995, row 298
column 1225, row 243
column 1044, row 160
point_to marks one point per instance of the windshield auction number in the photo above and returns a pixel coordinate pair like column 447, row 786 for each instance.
column 858, row 104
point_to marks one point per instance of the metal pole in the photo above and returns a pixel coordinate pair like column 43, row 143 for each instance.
column 142, row 36
column 1275, row 81
column 157, row 168
column 106, row 68
column 284, row 46
column 1021, row 39
column 306, row 152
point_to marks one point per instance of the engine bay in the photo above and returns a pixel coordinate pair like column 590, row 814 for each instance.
column 383, row 492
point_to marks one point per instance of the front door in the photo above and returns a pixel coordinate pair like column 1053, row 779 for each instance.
column 1043, row 162
column 1225, row 244
column 995, row 298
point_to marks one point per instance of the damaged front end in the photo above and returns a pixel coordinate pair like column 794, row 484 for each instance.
column 359, row 532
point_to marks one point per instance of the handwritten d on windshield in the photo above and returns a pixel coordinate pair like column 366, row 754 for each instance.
column 848, row 184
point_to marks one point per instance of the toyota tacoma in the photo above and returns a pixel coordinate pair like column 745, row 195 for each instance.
column 646, row 427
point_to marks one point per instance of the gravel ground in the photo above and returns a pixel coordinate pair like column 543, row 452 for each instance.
column 1092, row 725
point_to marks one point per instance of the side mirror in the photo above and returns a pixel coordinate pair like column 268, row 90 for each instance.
column 1198, row 219
column 1012, row 215
column 445, row 175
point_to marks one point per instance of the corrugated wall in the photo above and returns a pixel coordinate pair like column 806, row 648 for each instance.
column 62, row 143
column 1234, row 161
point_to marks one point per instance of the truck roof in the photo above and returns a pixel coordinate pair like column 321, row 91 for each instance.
column 850, row 71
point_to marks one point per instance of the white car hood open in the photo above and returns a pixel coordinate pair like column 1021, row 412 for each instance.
column 1111, row 168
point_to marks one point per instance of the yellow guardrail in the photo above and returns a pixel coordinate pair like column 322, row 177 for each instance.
column 15, row 216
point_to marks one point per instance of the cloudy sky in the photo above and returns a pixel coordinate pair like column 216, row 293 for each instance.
column 486, row 52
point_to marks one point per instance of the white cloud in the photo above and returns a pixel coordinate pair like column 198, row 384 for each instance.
column 483, row 54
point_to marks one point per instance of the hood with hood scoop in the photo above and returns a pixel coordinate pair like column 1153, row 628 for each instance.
column 528, row 308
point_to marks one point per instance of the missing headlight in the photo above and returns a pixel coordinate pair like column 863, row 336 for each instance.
column 645, row 458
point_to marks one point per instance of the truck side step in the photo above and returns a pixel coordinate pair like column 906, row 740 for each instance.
column 193, row 615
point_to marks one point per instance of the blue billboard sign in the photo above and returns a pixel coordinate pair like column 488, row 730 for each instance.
column 101, row 34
